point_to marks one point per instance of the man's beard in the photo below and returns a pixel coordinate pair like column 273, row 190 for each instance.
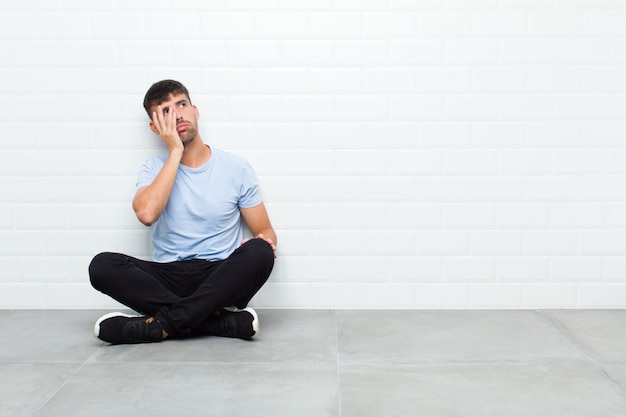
column 188, row 135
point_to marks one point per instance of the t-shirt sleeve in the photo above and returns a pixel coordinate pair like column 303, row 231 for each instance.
column 147, row 173
column 250, row 194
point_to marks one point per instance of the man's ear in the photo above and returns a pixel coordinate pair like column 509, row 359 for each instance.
column 195, row 109
column 153, row 128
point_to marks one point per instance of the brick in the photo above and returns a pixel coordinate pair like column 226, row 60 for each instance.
column 417, row 162
column 227, row 25
column 253, row 52
column 499, row 80
column 387, row 242
column 500, row 189
column 281, row 25
column 390, row 135
column 200, row 53
column 576, row 269
column 522, row 268
column 277, row 81
column 500, row 24
column 438, row 189
column 605, row 22
column 525, row 162
column 307, row 108
column 358, row 216
column 445, row 296
column 414, row 216
column 469, row 216
column 583, row 161
column 548, row 295
column 415, row 269
column 361, row 162
column 531, row 107
column 387, row 189
column 361, row 52
column 63, row 26
column 370, row 108
column 338, row 80
column 470, row 162
column 498, row 135
column 231, row 80
column 442, row 242
column 417, row 107
column 443, row 79
column 390, row 25
column 334, row 25
column 471, row 51
column 523, row 216
column 555, row 23
column 23, row 26
column 448, row 24
column 306, row 52
column 389, row 80
column 333, row 135
column 554, row 79
column 416, row 52
column 528, row 51
column 497, row 242
column 471, row 107
column 128, row 25
column 551, row 188
column 581, row 51
column 500, row 295
column 389, row 296
column 552, row 242
column 468, row 269
column 551, row 134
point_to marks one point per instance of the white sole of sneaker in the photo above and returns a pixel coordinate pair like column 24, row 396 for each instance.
column 255, row 321
column 96, row 327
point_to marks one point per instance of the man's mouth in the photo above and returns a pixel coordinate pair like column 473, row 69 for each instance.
column 181, row 127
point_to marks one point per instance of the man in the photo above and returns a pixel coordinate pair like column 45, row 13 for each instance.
column 203, row 273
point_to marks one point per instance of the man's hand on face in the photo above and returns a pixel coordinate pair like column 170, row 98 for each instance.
column 165, row 125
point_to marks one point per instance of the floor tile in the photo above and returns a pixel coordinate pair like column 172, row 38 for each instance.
column 600, row 333
column 424, row 336
column 46, row 335
column 617, row 372
column 197, row 389
column 568, row 389
column 286, row 336
column 24, row 387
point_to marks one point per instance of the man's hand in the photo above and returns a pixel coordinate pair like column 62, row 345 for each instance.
column 165, row 126
column 269, row 241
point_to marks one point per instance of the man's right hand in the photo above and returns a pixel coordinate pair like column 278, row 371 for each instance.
column 165, row 125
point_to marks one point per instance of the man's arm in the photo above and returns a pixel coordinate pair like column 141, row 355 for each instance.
column 150, row 201
column 259, row 223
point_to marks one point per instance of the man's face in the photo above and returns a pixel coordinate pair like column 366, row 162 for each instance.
column 187, row 116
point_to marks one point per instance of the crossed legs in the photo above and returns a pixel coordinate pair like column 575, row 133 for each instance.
column 183, row 296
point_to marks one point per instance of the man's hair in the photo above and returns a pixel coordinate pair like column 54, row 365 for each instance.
column 160, row 91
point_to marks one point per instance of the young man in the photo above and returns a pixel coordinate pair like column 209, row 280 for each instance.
column 203, row 274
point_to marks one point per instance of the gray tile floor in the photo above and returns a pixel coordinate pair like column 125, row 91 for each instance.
column 324, row 363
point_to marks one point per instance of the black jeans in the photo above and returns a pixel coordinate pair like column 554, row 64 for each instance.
column 183, row 295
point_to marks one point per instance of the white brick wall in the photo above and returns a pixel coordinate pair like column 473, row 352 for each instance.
column 412, row 153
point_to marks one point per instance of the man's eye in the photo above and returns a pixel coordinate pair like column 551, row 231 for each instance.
column 166, row 111
column 182, row 105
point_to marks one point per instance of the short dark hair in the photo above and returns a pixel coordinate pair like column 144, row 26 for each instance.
column 160, row 91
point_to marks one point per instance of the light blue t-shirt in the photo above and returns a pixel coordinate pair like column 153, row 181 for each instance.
column 202, row 218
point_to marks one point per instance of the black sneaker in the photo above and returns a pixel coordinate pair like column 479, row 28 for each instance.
column 241, row 324
column 118, row 328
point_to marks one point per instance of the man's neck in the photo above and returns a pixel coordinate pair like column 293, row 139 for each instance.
column 196, row 153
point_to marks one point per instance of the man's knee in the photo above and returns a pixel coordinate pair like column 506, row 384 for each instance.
column 99, row 269
column 263, row 249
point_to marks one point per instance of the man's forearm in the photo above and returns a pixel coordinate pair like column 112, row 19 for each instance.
column 150, row 201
